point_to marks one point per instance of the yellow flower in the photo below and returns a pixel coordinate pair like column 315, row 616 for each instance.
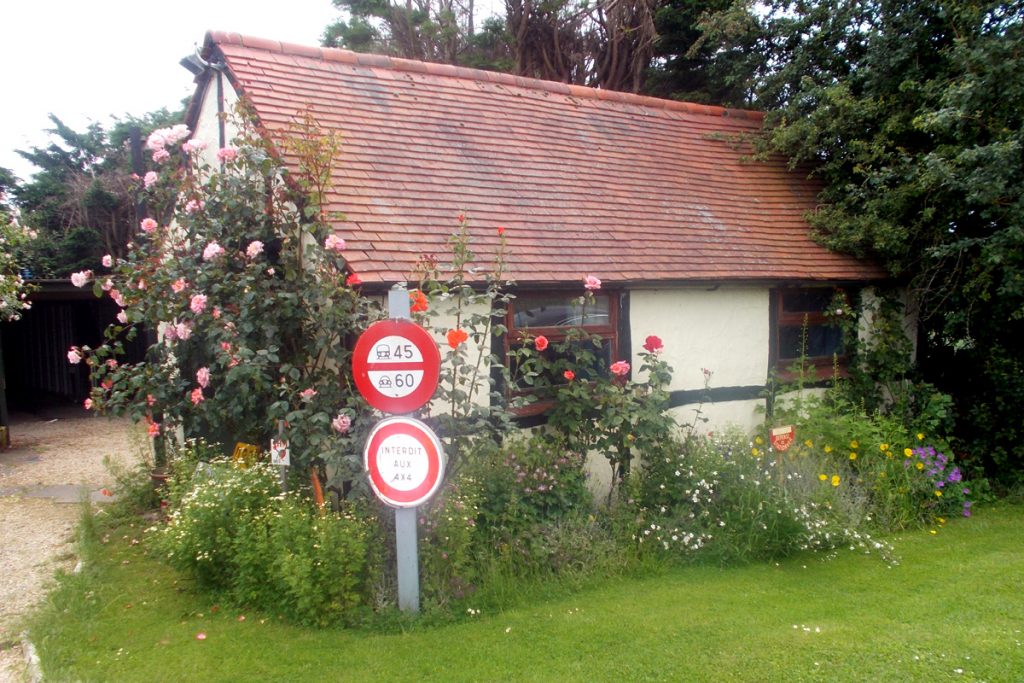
column 853, row 456
column 823, row 477
column 920, row 465
column 809, row 443
column 828, row 449
column 884, row 447
column 938, row 494
column 920, row 436
column 835, row 480
column 907, row 452
column 854, row 444
column 933, row 531
column 754, row 452
column 758, row 440
column 940, row 520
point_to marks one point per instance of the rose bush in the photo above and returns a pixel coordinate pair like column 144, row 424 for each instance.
column 243, row 290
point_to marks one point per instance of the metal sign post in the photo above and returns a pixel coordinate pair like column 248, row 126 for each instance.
column 406, row 542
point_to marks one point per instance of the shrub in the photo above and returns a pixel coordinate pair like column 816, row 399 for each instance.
column 721, row 498
column 201, row 532
column 447, row 533
column 234, row 532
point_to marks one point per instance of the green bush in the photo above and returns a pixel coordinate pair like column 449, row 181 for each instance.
column 235, row 532
column 526, row 484
column 721, row 498
column 200, row 536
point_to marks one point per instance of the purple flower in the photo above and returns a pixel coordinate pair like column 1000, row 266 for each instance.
column 955, row 475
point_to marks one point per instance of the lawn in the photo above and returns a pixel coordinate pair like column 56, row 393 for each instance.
column 951, row 610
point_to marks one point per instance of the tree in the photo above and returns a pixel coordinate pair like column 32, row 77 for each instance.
column 688, row 66
column 82, row 200
column 909, row 113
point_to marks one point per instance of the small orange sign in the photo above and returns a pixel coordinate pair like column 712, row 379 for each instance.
column 782, row 437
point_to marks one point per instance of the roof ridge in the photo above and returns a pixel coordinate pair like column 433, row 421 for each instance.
column 332, row 54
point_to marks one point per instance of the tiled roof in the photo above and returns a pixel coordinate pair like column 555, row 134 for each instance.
column 621, row 186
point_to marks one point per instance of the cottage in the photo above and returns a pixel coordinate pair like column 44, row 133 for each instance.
column 693, row 241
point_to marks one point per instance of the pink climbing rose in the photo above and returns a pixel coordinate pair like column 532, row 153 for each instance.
column 334, row 243
column 198, row 303
column 342, row 423
column 620, row 368
column 203, row 377
column 212, row 251
column 590, row 282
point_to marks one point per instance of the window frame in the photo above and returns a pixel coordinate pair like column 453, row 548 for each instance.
column 610, row 332
column 819, row 368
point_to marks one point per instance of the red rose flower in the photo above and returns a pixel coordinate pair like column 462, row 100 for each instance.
column 540, row 343
column 419, row 301
column 653, row 344
column 569, row 375
column 456, row 337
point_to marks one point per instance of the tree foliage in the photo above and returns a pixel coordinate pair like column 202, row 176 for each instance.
column 909, row 113
column 82, row 199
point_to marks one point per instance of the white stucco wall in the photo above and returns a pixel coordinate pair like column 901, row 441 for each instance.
column 207, row 124
column 724, row 329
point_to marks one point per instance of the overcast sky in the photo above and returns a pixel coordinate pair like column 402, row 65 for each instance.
column 85, row 60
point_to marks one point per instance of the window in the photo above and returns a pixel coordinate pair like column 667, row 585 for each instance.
column 801, row 329
column 553, row 315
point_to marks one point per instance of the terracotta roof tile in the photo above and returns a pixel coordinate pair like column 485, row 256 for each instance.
column 623, row 186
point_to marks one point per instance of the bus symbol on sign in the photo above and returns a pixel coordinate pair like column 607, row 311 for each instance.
column 396, row 365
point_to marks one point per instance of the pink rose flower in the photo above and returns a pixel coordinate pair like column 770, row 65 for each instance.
column 198, row 303
column 590, row 282
column 116, row 296
column 540, row 343
column 74, row 355
column 308, row 394
column 203, row 377
column 194, row 206
column 150, row 400
column 160, row 156
column 153, row 429
column 156, row 140
column 148, row 225
column 183, row 330
column 87, row 404
column 196, row 396
column 215, row 313
column 107, row 285
column 150, row 179
column 212, row 251
column 342, row 423
column 81, row 278
column 170, row 333
column 107, row 261
column 226, row 154
column 122, row 317
column 620, row 368
column 334, row 243
column 193, row 146
column 254, row 249
column 179, row 285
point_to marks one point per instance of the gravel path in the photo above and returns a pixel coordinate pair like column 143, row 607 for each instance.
column 42, row 476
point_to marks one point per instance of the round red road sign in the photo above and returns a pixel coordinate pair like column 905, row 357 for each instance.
column 405, row 461
column 396, row 364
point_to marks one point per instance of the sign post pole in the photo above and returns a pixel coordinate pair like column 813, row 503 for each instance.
column 406, row 542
